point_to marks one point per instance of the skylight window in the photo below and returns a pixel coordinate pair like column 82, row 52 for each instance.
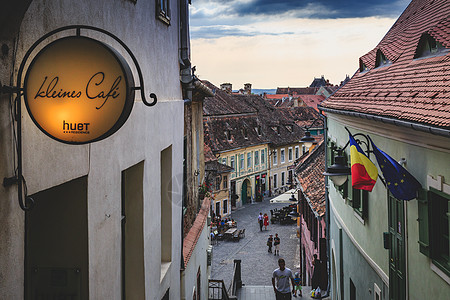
column 428, row 46
column 362, row 66
column 228, row 135
column 381, row 59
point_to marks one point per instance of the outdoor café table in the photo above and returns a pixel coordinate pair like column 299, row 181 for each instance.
column 230, row 233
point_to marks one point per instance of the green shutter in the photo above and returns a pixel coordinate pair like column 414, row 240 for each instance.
column 424, row 240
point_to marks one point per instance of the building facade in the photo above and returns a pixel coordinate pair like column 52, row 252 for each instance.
column 106, row 221
column 258, row 141
column 385, row 245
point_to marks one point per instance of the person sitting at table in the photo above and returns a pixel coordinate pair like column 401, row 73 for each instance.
column 234, row 223
column 230, row 223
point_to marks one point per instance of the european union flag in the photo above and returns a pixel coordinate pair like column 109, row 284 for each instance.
column 398, row 180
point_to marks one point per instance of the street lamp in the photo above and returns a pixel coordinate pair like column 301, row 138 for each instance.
column 307, row 139
column 339, row 171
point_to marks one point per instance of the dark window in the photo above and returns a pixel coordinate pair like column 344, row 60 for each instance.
column 217, row 183
column 439, row 229
column 225, row 181
column 282, row 178
column 359, row 200
column 362, row 66
column 228, row 135
column 428, row 46
column 163, row 11
column 381, row 59
column 225, row 206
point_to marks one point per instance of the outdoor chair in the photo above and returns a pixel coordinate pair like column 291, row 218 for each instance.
column 241, row 233
column 236, row 238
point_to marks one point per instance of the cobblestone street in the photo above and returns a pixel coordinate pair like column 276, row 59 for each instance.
column 257, row 264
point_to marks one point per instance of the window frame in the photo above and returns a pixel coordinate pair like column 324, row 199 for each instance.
column 249, row 160
column 241, row 161
column 436, row 236
column 290, row 154
column 283, row 178
column 225, row 181
column 163, row 11
column 282, row 156
column 297, row 152
column 275, row 157
column 256, row 158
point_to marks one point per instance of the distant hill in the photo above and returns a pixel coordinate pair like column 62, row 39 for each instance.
column 261, row 91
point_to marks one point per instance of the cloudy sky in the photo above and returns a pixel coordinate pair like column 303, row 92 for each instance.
column 272, row 43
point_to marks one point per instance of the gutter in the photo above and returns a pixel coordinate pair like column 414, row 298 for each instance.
column 416, row 126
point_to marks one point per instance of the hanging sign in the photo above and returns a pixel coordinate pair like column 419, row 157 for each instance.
column 78, row 90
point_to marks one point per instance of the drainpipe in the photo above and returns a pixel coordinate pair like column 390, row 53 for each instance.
column 186, row 76
column 186, row 82
column 327, row 202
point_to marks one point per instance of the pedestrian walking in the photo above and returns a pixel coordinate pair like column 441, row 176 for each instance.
column 260, row 221
column 266, row 221
column 276, row 243
column 269, row 243
column 280, row 281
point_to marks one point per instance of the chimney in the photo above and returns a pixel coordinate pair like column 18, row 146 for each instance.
column 247, row 88
column 227, row 87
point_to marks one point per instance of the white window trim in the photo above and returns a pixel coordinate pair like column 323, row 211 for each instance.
column 297, row 148
column 282, row 157
column 292, row 154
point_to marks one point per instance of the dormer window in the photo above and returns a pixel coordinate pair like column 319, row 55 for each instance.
column 428, row 46
column 244, row 133
column 289, row 128
column 381, row 60
column 228, row 135
column 258, row 130
column 276, row 129
column 362, row 67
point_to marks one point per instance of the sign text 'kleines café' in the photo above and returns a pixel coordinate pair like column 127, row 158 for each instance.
column 78, row 90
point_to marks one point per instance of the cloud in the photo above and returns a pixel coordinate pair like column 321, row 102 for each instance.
column 321, row 9
column 218, row 18
column 216, row 31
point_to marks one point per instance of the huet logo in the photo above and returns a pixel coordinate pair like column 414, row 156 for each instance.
column 80, row 128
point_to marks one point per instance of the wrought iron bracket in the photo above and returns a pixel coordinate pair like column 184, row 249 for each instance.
column 4, row 89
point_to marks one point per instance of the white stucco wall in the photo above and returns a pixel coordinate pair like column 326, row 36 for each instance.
column 148, row 130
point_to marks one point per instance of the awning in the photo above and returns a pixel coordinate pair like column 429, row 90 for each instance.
column 284, row 198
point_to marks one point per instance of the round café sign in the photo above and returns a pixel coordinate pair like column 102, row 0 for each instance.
column 78, row 90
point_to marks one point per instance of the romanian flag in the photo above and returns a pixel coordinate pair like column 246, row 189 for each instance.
column 398, row 180
column 364, row 172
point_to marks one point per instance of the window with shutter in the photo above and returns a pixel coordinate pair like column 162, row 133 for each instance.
column 424, row 240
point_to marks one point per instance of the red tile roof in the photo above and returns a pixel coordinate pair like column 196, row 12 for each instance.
column 413, row 90
column 309, row 173
column 312, row 100
column 190, row 241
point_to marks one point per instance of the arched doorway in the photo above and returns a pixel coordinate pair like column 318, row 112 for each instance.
column 246, row 191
